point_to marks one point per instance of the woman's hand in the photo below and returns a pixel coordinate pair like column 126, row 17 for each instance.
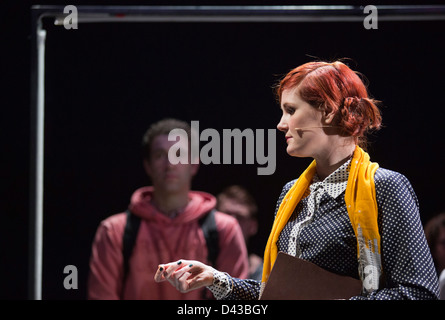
column 185, row 275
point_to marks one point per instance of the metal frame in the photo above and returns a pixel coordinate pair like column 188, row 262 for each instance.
column 167, row 14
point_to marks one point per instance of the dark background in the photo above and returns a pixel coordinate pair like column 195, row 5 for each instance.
column 106, row 83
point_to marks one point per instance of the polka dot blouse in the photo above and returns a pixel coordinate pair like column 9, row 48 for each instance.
column 320, row 231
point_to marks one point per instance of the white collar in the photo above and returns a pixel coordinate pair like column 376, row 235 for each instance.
column 335, row 183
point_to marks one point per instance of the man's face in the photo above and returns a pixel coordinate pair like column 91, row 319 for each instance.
column 241, row 212
column 166, row 177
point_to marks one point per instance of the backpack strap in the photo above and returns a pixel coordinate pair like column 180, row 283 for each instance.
column 129, row 239
column 208, row 226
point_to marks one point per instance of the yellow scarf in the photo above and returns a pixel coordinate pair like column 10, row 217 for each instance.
column 362, row 209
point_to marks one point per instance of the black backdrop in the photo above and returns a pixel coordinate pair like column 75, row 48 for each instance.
column 106, row 83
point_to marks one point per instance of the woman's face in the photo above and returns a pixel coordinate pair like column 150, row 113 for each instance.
column 300, row 122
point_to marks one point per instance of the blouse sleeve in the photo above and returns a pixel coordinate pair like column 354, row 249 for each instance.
column 230, row 288
column 408, row 267
column 227, row 288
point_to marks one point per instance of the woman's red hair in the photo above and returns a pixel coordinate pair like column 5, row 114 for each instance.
column 333, row 86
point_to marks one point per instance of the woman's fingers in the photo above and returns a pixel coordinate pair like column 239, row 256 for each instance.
column 165, row 271
column 174, row 267
column 185, row 275
column 176, row 273
column 180, row 278
column 159, row 275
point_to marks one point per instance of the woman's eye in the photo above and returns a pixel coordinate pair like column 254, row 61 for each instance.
column 290, row 110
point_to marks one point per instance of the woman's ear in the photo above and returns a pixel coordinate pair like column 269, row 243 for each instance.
column 328, row 115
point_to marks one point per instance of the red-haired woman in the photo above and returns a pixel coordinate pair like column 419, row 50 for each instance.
column 344, row 213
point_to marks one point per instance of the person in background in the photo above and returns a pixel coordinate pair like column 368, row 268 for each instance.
column 435, row 235
column 170, row 216
column 343, row 213
column 236, row 201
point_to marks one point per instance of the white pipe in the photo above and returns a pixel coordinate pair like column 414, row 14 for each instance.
column 38, row 232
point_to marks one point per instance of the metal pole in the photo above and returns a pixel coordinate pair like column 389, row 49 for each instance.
column 37, row 158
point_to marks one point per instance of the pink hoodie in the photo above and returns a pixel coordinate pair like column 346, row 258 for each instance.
column 161, row 240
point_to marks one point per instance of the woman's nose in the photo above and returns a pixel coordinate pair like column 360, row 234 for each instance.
column 282, row 125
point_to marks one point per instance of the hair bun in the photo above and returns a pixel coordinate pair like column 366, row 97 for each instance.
column 351, row 101
column 359, row 115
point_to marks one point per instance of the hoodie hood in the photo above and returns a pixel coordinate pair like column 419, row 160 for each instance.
column 200, row 203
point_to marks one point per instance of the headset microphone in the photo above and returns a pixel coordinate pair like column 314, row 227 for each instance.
column 316, row 127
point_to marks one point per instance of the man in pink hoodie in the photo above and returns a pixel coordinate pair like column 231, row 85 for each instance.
column 170, row 229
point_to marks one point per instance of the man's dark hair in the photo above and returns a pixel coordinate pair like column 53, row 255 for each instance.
column 162, row 127
column 240, row 195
